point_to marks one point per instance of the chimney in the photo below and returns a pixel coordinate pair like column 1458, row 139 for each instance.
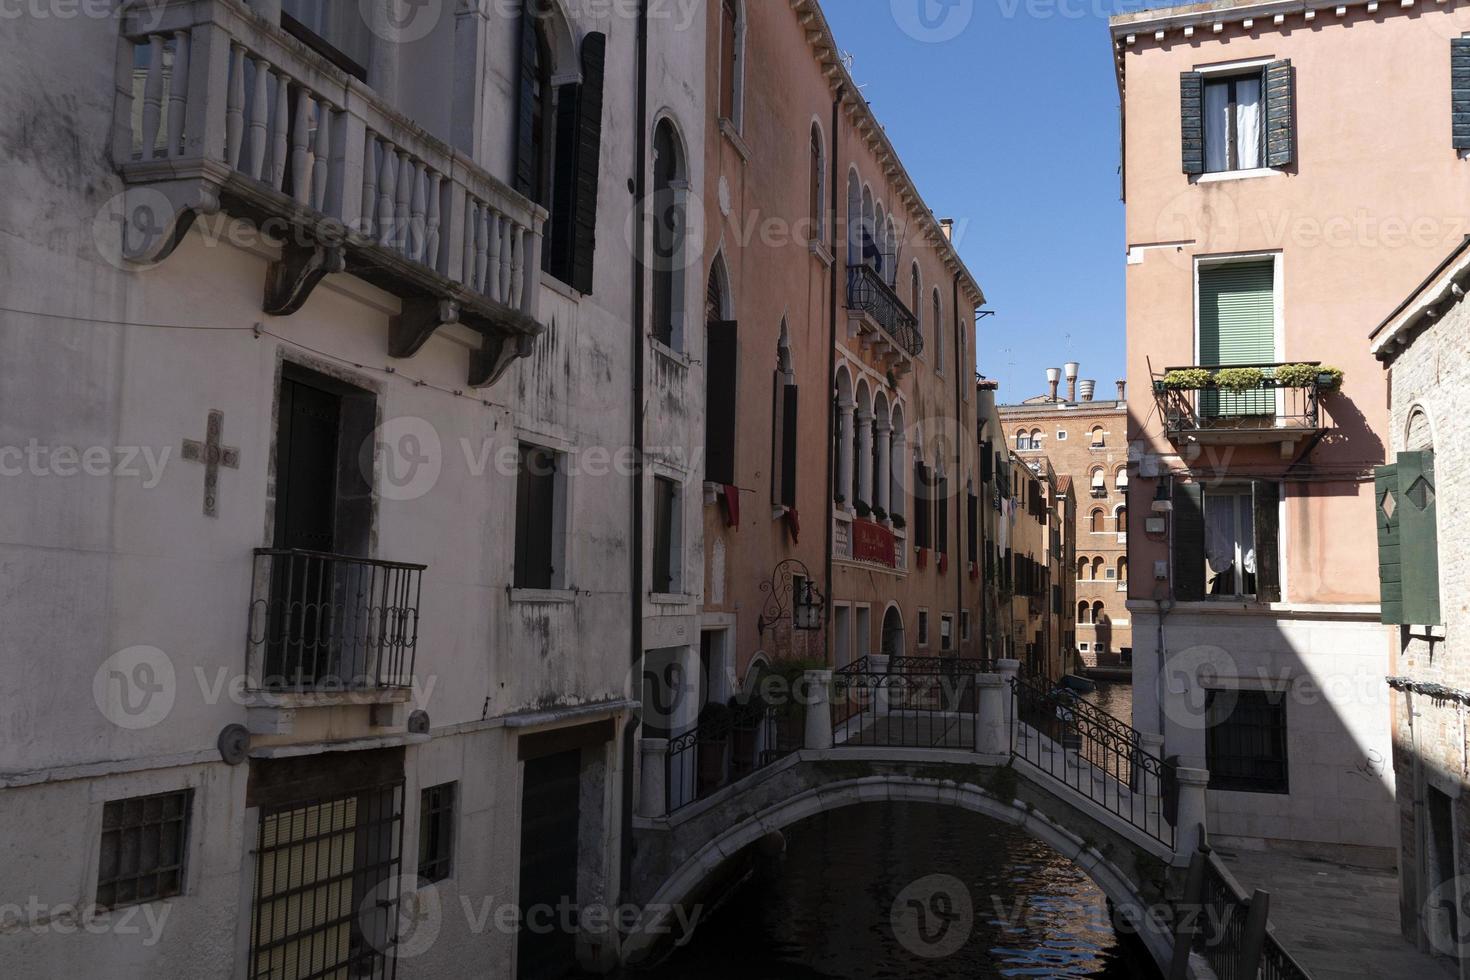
column 1071, row 369
column 946, row 225
column 1122, row 391
column 1088, row 387
column 1053, row 379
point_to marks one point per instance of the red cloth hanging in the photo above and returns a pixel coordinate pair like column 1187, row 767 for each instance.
column 793, row 521
column 731, row 494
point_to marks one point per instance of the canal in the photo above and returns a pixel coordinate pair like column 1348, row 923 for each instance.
column 912, row 890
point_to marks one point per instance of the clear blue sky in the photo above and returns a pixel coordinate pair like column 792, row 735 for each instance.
column 1012, row 125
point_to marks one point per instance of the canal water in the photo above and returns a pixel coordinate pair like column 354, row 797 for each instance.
column 911, row 890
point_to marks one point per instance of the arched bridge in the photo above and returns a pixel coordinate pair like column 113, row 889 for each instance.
column 957, row 732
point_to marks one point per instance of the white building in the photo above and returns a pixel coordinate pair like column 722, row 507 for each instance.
column 318, row 546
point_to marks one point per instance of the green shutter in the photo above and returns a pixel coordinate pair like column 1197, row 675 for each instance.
column 1189, row 542
column 1280, row 114
column 1419, row 543
column 1191, row 121
column 1390, row 574
column 1266, row 498
column 1460, row 92
column 1237, row 325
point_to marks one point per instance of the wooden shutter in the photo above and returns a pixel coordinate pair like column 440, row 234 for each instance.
column 1460, row 92
column 526, row 178
column 1237, row 325
column 788, row 447
column 941, row 504
column 987, row 462
column 1419, row 538
column 1192, row 120
column 1266, row 497
column 1189, row 542
column 1280, row 114
column 1390, row 573
column 572, row 230
column 721, row 358
column 972, row 527
column 728, row 68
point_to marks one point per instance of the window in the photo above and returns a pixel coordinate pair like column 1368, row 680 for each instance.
column 666, row 527
column 1061, row 435
column 915, row 288
column 1096, row 521
column 818, row 181
column 1120, row 479
column 669, row 231
column 1245, row 741
column 1099, row 616
column 1097, row 564
column 1112, row 574
column 1098, row 437
column 722, row 354
column 731, row 44
column 436, row 832
column 337, row 31
column 1225, row 541
column 1084, row 613
column 1036, row 439
column 1405, row 493
column 1083, row 567
column 540, row 520
column 923, row 505
column 941, row 508
column 841, row 635
column 923, row 627
column 1084, row 646
column 1237, row 325
column 854, row 219
column 946, row 632
column 144, row 843
column 1023, row 440
column 1234, row 122
column 1123, row 570
column 570, row 153
column 1230, row 544
column 1099, row 484
column 938, row 320
column 785, row 414
column 965, row 625
column 536, row 135
column 1120, row 521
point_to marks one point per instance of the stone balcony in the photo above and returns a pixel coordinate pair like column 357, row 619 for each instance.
column 220, row 110
column 880, row 321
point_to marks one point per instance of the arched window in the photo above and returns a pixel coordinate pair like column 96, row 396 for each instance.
column 1097, row 437
column 916, row 289
column 1120, row 479
column 1098, row 615
column 669, row 237
column 870, row 237
column 1083, row 566
column 880, row 240
column 1023, row 440
column 890, row 252
column 1120, row 519
column 938, row 321
column 1037, row 438
column 1097, row 568
column 818, row 182
column 721, row 391
column 854, row 219
column 1097, row 521
column 1084, row 613
column 732, row 51
column 1123, row 570
column 1099, row 482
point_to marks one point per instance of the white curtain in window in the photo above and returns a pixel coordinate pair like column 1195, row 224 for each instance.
column 1248, row 122
column 1217, row 127
column 1220, row 533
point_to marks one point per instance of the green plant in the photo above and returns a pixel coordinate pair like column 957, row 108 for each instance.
column 863, row 510
column 880, row 513
column 840, row 498
column 899, row 522
column 1296, row 376
column 1239, row 379
column 1188, row 378
column 1329, row 378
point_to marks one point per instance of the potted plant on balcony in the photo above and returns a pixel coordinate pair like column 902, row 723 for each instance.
column 898, row 522
column 714, row 739
column 879, row 514
column 840, row 500
column 863, row 510
column 1187, row 379
column 1239, row 379
column 1322, row 377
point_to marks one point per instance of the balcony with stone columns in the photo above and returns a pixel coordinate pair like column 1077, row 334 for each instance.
column 219, row 110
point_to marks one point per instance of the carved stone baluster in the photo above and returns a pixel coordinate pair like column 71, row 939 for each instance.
column 321, row 154
column 417, row 208
column 153, row 97
column 257, row 120
column 281, row 123
column 178, row 95
column 387, row 184
column 471, row 223
column 369, row 183
column 492, row 286
column 400, row 204
column 518, row 263
column 482, row 243
column 235, row 108
column 300, row 161
column 431, row 229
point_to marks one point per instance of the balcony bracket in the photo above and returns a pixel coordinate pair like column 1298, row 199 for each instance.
column 412, row 328
column 153, row 218
column 293, row 276
column 495, row 355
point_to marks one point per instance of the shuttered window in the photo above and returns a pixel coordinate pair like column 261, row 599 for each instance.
column 1226, row 542
column 972, row 527
column 1408, row 540
column 536, row 560
column 665, row 535
column 923, row 505
column 1238, row 122
column 572, row 227
column 1237, row 325
column 1460, row 92
column 788, row 445
column 721, row 357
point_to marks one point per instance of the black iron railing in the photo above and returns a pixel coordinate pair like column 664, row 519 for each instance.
column 711, row 756
column 867, row 291
column 1092, row 753
column 1191, row 401
column 917, row 702
column 333, row 622
column 1230, row 928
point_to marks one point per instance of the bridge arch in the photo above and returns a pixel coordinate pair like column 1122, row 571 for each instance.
column 684, row 883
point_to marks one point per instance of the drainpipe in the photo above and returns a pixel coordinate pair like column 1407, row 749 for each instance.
column 838, row 263
column 635, row 547
column 959, row 443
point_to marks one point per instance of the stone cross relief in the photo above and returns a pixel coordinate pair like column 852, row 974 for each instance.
column 213, row 456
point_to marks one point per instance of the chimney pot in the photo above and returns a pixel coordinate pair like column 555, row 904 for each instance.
column 1122, row 391
column 946, row 225
column 1088, row 387
column 1071, row 369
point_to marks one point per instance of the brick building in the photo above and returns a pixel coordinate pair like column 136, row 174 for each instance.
column 1084, row 441
column 1425, row 583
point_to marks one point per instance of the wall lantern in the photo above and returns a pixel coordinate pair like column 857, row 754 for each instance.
column 791, row 586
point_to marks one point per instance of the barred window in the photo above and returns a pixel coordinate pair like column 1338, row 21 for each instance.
column 1245, row 743
column 436, row 832
column 144, row 840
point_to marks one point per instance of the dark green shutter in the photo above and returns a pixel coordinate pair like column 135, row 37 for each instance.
column 1266, row 499
column 1237, row 325
column 721, row 357
column 1192, row 120
column 972, row 527
column 1460, row 92
column 788, row 447
column 1419, row 555
column 1189, row 542
column 526, row 177
column 987, row 462
column 941, row 534
column 1280, row 114
column 572, row 228
column 1390, row 573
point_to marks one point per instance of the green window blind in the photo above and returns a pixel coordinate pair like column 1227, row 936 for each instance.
column 1237, row 325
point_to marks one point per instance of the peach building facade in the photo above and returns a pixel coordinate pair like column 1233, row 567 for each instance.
column 1268, row 214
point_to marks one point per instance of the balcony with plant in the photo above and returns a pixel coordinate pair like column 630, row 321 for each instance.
column 1244, row 403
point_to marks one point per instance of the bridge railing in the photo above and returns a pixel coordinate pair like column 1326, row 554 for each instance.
column 908, row 702
column 714, row 754
column 1093, row 753
column 1230, row 928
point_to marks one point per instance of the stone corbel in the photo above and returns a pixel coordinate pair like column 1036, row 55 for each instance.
column 291, row 278
column 154, row 218
column 411, row 328
column 495, row 355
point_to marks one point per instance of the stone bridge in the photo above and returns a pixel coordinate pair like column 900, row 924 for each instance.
column 1013, row 749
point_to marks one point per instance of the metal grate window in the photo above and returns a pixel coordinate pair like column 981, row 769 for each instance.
column 436, row 832
column 144, row 840
column 327, row 887
column 1245, row 742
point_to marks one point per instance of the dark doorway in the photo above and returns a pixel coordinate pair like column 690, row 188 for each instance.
column 892, row 633
column 1444, row 913
column 550, row 815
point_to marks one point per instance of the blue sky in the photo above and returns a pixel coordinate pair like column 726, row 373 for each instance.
column 1011, row 125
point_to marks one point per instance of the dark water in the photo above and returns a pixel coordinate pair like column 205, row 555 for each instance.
column 1114, row 697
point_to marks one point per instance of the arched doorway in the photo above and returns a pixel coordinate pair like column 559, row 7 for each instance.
column 893, row 633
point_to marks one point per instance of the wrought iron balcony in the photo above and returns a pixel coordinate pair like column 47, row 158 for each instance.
column 219, row 109
column 323, row 622
column 867, row 292
column 1255, row 406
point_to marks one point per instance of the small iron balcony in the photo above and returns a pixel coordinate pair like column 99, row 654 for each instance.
column 1243, row 403
column 868, row 293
